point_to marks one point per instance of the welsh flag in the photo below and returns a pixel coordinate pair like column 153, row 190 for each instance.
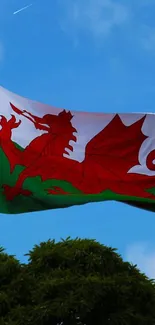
column 55, row 158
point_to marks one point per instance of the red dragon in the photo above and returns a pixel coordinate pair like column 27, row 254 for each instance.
column 107, row 158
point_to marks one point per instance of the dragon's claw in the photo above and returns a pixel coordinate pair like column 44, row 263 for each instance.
column 3, row 120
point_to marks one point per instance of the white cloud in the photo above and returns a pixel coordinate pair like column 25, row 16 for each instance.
column 96, row 17
column 143, row 256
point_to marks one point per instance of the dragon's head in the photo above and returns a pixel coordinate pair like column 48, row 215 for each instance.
column 61, row 128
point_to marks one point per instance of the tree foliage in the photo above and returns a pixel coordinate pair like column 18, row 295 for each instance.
column 74, row 282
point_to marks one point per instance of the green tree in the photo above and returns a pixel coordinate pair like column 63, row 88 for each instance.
column 74, row 282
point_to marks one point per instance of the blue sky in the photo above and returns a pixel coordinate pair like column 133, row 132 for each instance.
column 92, row 55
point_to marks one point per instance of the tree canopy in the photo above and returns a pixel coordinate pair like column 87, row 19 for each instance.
column 74, row 282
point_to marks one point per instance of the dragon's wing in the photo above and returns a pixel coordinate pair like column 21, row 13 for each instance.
column 117, row 146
